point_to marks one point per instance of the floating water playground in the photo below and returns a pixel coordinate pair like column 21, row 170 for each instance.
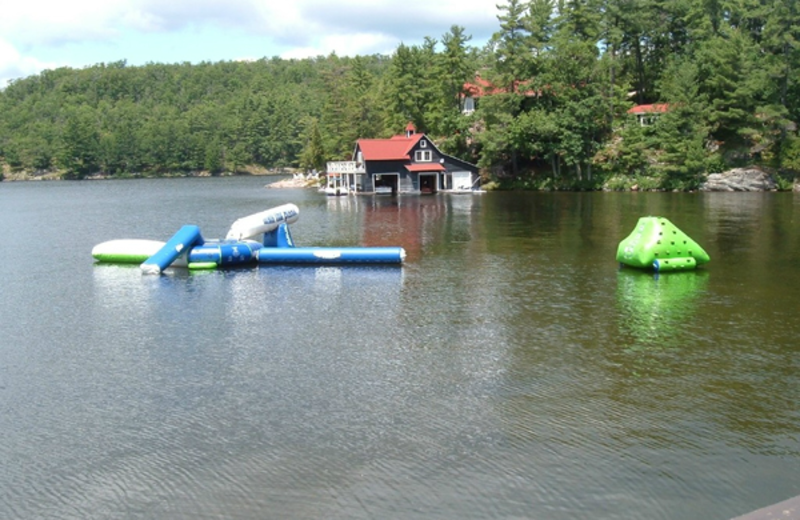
column 657, row 244
column 261, row 238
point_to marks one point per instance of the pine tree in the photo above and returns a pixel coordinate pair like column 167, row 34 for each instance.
column 312, row 156
column 512, row 46
column 681, row 131
column 402, row 90
column 735, row 85
column 454, row 68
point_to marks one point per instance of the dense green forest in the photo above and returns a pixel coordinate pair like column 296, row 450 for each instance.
column 563, row 74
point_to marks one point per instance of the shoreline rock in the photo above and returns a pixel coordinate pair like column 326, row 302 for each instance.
column 296, row 181
column 740, row 179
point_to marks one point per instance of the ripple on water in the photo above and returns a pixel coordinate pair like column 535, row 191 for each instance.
column 507, row 370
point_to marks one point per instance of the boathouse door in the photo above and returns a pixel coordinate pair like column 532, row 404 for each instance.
column 462, row 181
column 386, row 183
column 428, row 183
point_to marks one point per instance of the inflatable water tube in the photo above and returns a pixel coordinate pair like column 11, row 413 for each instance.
column 223, row 253
column 126, row 250
column 180, row 244
column 331, row 255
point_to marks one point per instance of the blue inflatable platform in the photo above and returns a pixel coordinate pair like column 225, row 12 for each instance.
column 261, row 238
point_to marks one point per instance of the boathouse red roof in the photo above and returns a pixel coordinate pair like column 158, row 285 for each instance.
column 397, row 148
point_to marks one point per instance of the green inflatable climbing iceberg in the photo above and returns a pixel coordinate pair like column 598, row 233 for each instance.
column 656, row 243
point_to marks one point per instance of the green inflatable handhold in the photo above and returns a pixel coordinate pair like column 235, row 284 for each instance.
column 202, row 265
column 674, row 264
column 656, row 243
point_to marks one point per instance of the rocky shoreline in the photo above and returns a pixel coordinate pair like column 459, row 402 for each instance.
column 751, row 179
column 294, row 182
column 50, row 175
column 742, row 179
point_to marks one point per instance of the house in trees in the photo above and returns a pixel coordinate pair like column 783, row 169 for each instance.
column 407, row 163
column 480, row 87
column 472, row 92
column 648, row 114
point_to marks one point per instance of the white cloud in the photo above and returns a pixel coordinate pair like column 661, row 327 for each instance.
column 140, row 20
column 41, row 22
column 35, row 29
column 345, row 45
column 177, row 14
column 14, row 65
column 318, row 27
column 409, row 21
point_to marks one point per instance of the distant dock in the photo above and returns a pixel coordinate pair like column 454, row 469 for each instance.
column 786, row 510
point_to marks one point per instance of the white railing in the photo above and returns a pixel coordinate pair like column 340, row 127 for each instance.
column 345, row 167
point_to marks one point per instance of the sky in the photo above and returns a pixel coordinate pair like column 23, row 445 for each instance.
column 45, row 34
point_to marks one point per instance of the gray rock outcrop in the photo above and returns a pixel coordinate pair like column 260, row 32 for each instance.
column 740, row 179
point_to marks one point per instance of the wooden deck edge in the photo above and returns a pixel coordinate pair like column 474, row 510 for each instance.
column 786, row 510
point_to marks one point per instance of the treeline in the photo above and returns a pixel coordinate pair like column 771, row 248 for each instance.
column 157, row 119
column 558, row 78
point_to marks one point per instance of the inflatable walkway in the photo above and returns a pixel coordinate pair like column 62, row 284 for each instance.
column 261, row 238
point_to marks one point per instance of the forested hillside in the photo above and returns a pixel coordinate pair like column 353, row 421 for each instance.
column 561, row 77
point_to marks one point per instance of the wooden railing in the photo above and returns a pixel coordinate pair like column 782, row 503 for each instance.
column 345, row 167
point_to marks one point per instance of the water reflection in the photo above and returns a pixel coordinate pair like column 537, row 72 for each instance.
column 416, row 223
column 247, row 296
column 347, row 204
column 118, row 293
column 723, row 209
column 654, row 311
column 510, row 372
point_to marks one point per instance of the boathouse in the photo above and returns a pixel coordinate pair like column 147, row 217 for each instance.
column 407, row 163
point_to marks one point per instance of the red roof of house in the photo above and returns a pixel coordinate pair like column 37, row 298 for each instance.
column 425, row 167
column 482, row 87
column 395, row 149
column 649, row 109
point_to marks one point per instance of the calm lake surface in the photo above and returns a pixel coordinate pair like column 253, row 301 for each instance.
column 510, row 369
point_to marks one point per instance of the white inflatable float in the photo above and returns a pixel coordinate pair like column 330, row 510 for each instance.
column 263, row 222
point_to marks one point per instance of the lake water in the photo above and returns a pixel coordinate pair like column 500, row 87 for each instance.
column 510, row 369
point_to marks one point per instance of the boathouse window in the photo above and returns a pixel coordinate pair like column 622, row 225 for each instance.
column 422, row 156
